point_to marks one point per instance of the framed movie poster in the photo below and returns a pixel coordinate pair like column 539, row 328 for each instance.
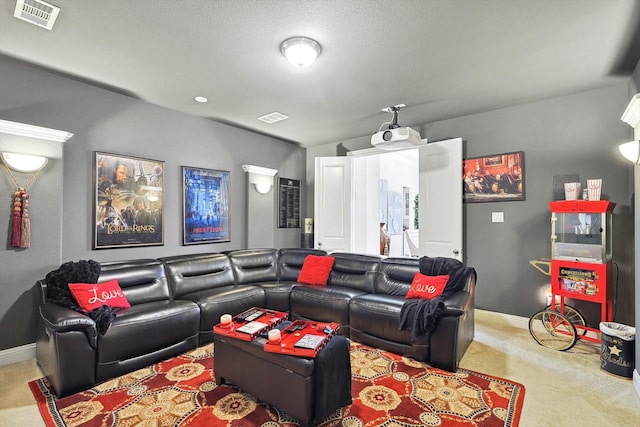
column 288, row 203
column 495, row 178
column 205, row 205
column 128, row 201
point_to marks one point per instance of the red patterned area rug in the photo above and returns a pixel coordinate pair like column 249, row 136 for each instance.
column 388, row 390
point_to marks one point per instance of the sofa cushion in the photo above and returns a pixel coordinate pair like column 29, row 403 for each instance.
column 254, row 265
column 354, row 271
column 93, row 295
column 323, row 303
column 427, row 287
column 141, row 280
column 145, row 330
column 291, row 260
column 316, row 270
column 197, row 272
column 215, row 302
column 379, row 315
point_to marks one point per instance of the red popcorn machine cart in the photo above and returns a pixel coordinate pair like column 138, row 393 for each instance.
column 581, row 269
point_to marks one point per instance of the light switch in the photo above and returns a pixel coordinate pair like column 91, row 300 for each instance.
column 497, row 216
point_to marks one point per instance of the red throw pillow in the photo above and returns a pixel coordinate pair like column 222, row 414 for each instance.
column 315, row 270
column 427, row 287
column 92, row 296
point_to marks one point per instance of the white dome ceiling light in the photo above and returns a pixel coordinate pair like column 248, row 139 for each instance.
column 300, row 51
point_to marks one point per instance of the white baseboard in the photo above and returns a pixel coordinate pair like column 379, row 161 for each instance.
column 17, row 354
column 510, row 319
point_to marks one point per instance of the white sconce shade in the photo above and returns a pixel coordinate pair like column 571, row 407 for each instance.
column 631, row 151
column 262, row 187
column 300, row 51
column 261, row 178
column 24, row 162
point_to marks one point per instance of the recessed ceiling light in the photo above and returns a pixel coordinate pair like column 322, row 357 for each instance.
column 201, row 99
column 273, row 117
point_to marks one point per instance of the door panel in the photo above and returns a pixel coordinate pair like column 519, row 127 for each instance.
column 332, row 203
column 441, row 199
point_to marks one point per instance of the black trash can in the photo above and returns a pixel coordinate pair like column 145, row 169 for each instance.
column 618, row 348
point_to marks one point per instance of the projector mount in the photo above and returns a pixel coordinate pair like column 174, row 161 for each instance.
column 393, row 124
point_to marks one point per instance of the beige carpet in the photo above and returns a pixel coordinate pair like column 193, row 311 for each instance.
column 562, row 388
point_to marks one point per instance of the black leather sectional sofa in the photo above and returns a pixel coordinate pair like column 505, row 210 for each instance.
column 175, row 301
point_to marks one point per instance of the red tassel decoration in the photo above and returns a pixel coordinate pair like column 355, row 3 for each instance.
column 17, row 220
column 25, row 228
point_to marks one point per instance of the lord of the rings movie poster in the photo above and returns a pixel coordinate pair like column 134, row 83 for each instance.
column 206, row 206
column 129, row 202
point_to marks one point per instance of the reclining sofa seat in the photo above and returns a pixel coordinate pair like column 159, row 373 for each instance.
column 209, row 281
column 352, row 275
column 276, row 271
column 375, row 318
column 74, row 357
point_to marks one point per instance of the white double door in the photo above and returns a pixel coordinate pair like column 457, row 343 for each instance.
column 347, row 200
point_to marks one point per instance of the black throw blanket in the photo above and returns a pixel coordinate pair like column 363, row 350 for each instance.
column 420, row 315
column 78, row 272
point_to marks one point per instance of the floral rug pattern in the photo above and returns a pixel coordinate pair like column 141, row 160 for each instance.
column 387, row 389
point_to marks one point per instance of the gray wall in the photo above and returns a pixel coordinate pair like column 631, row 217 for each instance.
column 62, row 198
column 576, row 134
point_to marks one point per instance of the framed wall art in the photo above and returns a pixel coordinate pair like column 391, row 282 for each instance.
column 205, row 206
column 128, row 201
column 494, row 178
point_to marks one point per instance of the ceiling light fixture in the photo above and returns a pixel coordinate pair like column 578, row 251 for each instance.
column 201, row 99
column 300, row 51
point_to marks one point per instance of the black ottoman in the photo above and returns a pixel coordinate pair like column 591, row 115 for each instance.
column 307, row 389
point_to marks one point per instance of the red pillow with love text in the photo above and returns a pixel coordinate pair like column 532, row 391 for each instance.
column 316, row 270
column 92, row 296
column 427, row 287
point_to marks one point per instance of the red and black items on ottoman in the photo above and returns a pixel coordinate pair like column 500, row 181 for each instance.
column 308, row 388
column 250, row 323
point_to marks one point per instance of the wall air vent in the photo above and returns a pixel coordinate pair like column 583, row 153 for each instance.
column 37, row 12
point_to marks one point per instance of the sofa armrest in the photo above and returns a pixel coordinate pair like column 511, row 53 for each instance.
column 457, row 303
column 462, row 301
column 57, row 318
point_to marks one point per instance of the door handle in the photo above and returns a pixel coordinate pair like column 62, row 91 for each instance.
column 456, row 252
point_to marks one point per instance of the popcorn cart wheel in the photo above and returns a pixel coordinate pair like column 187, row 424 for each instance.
column 552, row 329
column 573, row 315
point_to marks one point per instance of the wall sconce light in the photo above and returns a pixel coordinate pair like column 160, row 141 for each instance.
column 24, row 162
column 631, row 116
column 631, row 151
column 261, row 178
column 300, row 51
column 26, row 148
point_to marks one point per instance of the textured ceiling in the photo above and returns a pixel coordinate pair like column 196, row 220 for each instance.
column 443, row 58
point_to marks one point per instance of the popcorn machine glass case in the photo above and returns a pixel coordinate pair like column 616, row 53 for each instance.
column 581, row 258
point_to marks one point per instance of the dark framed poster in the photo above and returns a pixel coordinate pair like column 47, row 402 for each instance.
column 205, row 213
column 494, row 178
column 128, row 201
column 288, row 203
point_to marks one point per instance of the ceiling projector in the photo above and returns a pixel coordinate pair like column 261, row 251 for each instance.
column 397, row 138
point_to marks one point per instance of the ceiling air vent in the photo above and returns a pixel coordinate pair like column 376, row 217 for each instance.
column 273, row 117
column 37, row 12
